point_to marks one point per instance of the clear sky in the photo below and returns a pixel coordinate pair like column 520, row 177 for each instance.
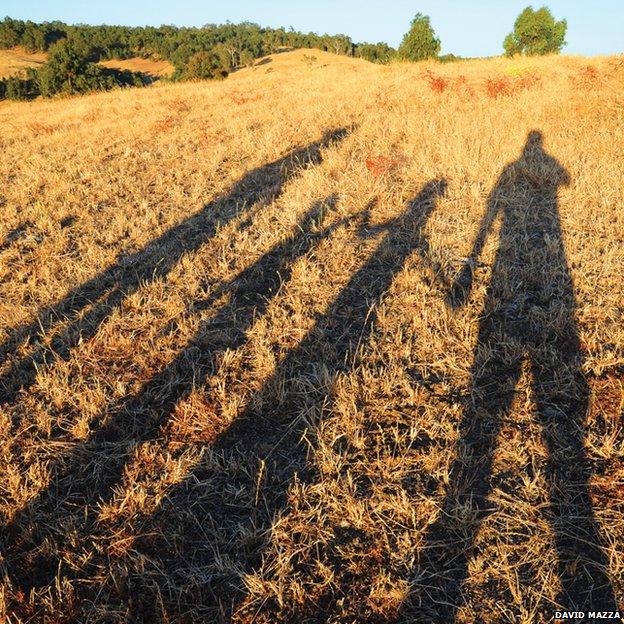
column 466, row 27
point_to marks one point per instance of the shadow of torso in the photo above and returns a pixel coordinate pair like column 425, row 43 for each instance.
column 530, row 295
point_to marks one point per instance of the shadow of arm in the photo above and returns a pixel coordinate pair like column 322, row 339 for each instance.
column 459, row 290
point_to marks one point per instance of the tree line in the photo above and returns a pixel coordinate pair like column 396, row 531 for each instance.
column 213, row 51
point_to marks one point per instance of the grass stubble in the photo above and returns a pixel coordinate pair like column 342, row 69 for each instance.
column 241, row 380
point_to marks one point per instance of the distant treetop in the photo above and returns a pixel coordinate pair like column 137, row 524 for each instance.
column 536, row 32
column 419, row 42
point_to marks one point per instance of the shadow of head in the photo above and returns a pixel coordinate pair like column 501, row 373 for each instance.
column 536, row 167
column 534, row 142
column 336, row 135
column 308, row 156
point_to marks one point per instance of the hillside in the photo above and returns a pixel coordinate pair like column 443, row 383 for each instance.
column 149, row 66
column 15, row 60
column 326, row 341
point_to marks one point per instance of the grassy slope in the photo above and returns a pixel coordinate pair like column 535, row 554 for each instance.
column 150, row 67
column 242, row 382
column 15, row 60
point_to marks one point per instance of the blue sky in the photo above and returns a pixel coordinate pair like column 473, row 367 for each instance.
column 466, row 27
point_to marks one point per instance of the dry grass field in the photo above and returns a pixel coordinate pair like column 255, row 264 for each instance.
column 16, row 60
column 150, row 67
column 323, row 342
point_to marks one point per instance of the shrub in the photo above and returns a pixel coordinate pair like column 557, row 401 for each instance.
column 437, row 83
column 420, row 42
column 496, row 87
column 375, row 52
column 19, row 87
column 204, row 65
column 449, row 58
column 123, row 77
column 68, row 71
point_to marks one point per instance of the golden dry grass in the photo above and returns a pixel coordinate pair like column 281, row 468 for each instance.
column 261, row 362
column 15, row 60
column 148, row 66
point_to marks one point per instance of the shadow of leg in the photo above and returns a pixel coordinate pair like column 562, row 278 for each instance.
column 562, row 398
column 138, row 419
column 442, row 568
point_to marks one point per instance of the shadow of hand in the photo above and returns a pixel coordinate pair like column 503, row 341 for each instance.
column 459, row 290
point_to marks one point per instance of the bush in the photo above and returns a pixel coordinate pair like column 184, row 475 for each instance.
column 375, row 52
column 19, row 87
column 124, row 77
column 204, row 65
column 536, row 32
column 69, row 71
column 436, row 83
column 449, row 58
column 420, row 42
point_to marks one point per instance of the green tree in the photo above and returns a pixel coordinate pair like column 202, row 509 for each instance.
column 419, row 42
column 20, row 87
column 224, row 56
column 246, row 57
column 67, row 71
column 375, row 52
column 536, row 32
column 204, row 65
column 11, row 32
column 62, row 71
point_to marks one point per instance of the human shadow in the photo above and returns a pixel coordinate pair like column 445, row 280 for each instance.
column 139, row 418
column 58, row 328
column 268, row 432
column 276, row 430
column 529, row 313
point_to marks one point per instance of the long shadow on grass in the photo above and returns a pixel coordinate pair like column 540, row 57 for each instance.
column 529, row 313
column 235, row 501
column 26, row 549
column 59, row 327
column 213, row 526
column 95, row 467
